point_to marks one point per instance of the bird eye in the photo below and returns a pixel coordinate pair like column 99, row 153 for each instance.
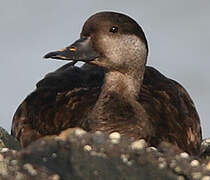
column 113, row 29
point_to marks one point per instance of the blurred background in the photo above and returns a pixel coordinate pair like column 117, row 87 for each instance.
column 178, row 33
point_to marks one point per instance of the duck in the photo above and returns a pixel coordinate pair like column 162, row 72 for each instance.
column 114, row 91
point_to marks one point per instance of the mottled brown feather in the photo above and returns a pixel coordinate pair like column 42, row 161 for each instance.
column 169, row 108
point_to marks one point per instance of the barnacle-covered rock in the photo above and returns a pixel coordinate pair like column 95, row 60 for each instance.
column 8, row 141
column 76, row 154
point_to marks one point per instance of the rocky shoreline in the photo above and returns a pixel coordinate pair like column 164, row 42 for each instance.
column 76, row 154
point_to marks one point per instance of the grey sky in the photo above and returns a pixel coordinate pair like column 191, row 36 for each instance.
column 178, row 33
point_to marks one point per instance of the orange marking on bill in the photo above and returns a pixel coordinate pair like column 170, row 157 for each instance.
column 72, row 49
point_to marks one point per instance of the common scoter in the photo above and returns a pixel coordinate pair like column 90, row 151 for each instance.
column 113, row 91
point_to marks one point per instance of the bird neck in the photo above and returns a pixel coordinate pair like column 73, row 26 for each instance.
column 126, row 85
column 117, row 102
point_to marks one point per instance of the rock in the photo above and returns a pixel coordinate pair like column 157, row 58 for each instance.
column 77, row 155
column 8, row 141
column 205, row 148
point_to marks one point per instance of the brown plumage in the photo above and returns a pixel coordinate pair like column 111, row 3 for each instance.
column 138, row 102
